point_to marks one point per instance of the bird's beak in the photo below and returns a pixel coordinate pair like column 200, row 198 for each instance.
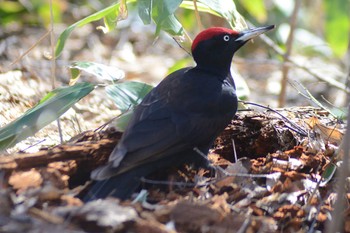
column 254, row 32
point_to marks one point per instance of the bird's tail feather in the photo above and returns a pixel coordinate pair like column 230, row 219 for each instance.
column 120, row 186
column 124, row 184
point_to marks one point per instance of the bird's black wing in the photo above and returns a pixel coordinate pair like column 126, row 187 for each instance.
column 153, row 132
column 187, row 109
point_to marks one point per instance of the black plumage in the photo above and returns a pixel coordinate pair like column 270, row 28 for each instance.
column 188, row 109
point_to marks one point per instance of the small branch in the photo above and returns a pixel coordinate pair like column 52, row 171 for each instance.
column 337, row 222
column 77, row 151
column 35, row 144
column 230, row 174
column 296, row 128
column 180, row 45
column 279, row 51
column 234, row 150
column 31, row 48
column 163, row 182
column 46, row 216
column 289, row 43
column 53, row 65
column 52, row 43
column 310, row 97
column 196, row 12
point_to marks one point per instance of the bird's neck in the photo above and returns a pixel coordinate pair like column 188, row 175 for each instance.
column 214, row 62
column 221, row 70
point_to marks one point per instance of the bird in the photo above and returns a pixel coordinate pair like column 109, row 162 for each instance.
column 188, row 109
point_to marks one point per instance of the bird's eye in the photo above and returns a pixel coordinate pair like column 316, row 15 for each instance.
column 226, row 38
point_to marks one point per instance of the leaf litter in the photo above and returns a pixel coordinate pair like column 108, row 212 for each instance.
column 274, row 186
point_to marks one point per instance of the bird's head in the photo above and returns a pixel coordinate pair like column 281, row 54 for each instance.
column 214, row 48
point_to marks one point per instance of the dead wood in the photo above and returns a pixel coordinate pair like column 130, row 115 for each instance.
column 84, row 147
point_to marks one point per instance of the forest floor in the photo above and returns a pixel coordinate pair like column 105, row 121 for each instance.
column 274, row 167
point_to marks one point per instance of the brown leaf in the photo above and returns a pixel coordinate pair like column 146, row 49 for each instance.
column 331, row 134
column 21, row 181
column 219, row 203
column 293, row 175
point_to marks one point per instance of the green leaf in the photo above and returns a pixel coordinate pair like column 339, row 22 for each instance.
column 328, row 173
column 101, row 71
column 109, row 12
column 11, row 7
column 171, row 25
column 145, row 10
column 128, row 94
column 110, row 22
column 75, row 74
column 256, row 8
column 200, row 6
column 337, row 25
column 226, row 9
column 51, row 107
column 163, row 15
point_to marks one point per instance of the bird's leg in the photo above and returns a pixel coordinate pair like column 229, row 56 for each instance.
column 204, row 162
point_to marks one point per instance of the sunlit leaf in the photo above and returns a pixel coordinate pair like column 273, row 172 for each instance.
column 163, row 16
column 128, row 94
column 44, row 11
column 123, row 10
column 227, row 9
column 110, row 12
column 171, row 25
column 11, row 6
column 328, row 173
column 145, row 10
column 201, row 7
column 51, row 107
column 101, row 71
column 75, row 74
column 256, row 8
column 110, row 22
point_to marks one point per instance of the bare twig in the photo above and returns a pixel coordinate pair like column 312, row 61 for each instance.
column 296, row 128
column 245, row 225
column 331, row 104
column 337, row 222
column 52, row 43
column 234, row 150
column 289, row 43
column 196, row 12
column 310, row 97
column 46, row 216
column 230, row 174
column 165, row 182
column 35, row 144
column 180, row 45
column 278, row 50
column 53, row 65
column 31, row 48
column 347, row 82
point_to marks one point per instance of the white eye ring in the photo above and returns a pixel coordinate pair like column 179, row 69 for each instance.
column 226, row 37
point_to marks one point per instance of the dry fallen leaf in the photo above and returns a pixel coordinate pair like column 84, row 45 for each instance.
column 331, row 134
column 21, row 181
